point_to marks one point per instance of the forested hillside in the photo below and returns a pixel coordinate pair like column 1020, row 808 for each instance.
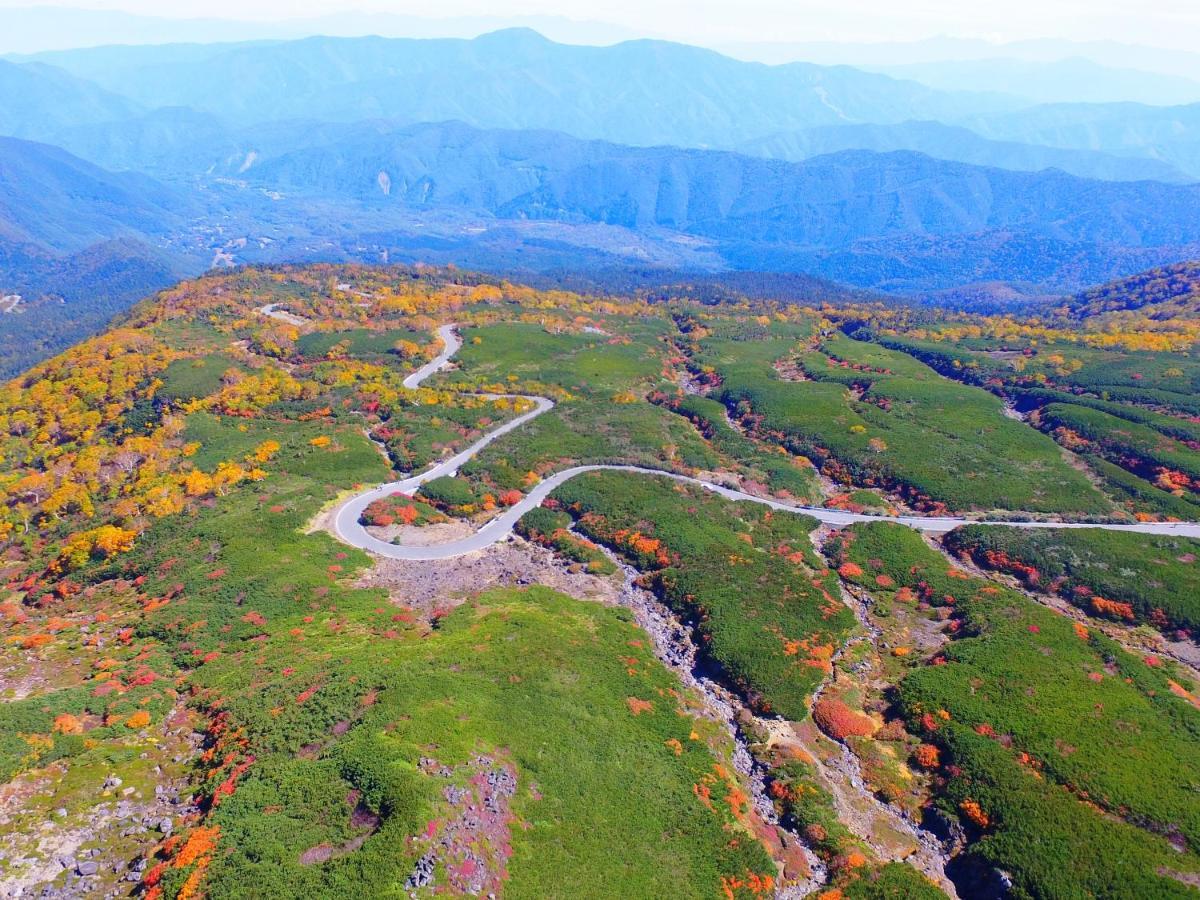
column 1169, row 292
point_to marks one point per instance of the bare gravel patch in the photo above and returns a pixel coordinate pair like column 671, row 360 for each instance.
column 445, row 583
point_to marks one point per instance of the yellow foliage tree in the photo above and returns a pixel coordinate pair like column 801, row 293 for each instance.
column 265, row 451
column 198, row 484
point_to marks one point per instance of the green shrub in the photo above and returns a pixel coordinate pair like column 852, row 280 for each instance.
column 448, row 493
column 1139, row 448
column 1035, row 716
column 195, row 378
column 941, row 443
column 1157, row 576
column 767, row 609
column 551, row 528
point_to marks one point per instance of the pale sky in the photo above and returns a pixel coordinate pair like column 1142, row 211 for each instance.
column 1164, row 23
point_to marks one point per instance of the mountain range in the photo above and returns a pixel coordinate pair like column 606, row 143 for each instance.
column 959, row 144
column 130, row 164
column 1071, row 80
column 896, row 221
column 825, row 202
column 28, row 29
column 637, row 92
column 60, row 202
column 642, row 93
column 954, row 50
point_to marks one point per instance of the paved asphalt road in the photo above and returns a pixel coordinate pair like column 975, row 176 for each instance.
column 348, row 528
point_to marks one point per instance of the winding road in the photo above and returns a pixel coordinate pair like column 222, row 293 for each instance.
column 347, row 527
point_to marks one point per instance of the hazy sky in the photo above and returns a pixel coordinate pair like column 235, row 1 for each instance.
column 1166, row 23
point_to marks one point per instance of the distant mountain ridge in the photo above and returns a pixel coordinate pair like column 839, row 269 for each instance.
column 79, row 244
column 637, row 92
column 512, row 152
column 1070, row 80
column 643, row 93
column 33, row 29
column 1170, row 133
column 825, row 202
column 36, row 100
column 899, row 222
column 62, row 203
column 958, row 144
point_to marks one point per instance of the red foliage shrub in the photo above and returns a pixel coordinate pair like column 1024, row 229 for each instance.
column 926, row 756
column 1112, row 608
column 839, row 721
column 306, row 695
column 973, row 811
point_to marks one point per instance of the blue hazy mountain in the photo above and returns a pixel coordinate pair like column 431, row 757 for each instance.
column 56, row 201
column 1073, row 80
column 826, row 200
column 943, row 49
column 897, row 221
column 961, row 145
column 1170, row 134
column 79, row 244
column 638, row 92
column 642, row 93
column 37, row 100
column 511, row 151
column 33, row 29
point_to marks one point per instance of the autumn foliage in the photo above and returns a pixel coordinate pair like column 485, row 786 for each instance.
column 839, row 721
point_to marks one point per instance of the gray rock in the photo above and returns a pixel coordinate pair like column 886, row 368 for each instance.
column 88, row 868
column 423, row 872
